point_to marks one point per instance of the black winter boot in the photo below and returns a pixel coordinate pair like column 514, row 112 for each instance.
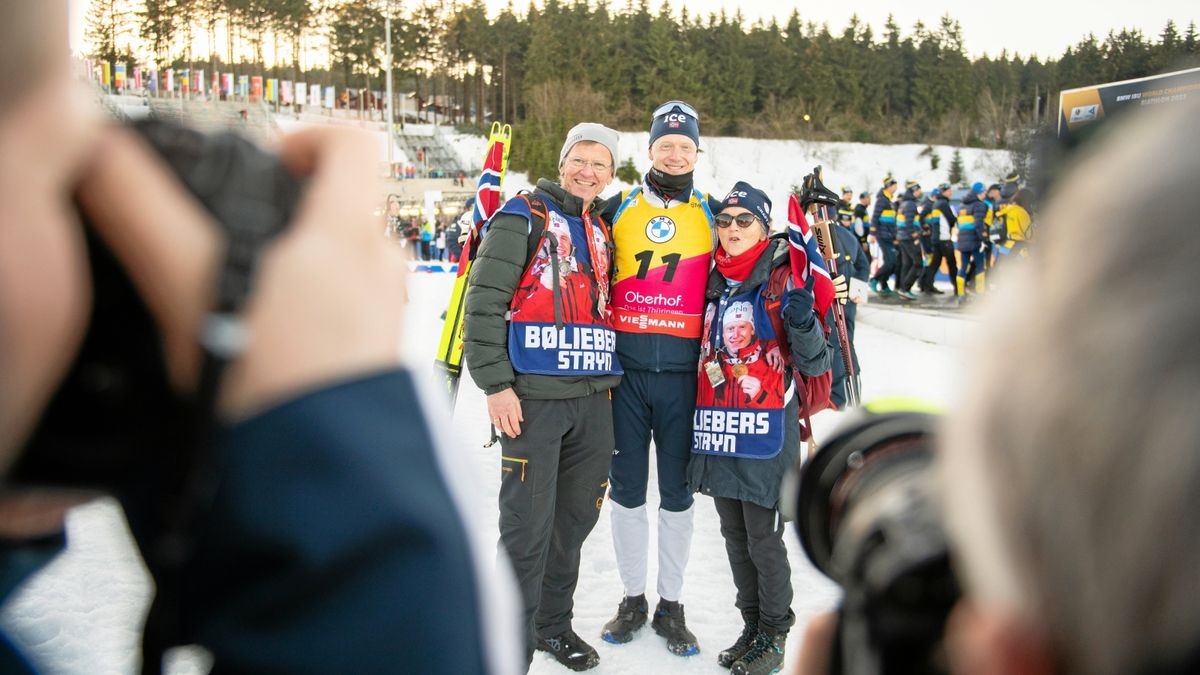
column 765, row 655
column 631, row 615
column 669, row 623
column 739, row 648
column 570, row 650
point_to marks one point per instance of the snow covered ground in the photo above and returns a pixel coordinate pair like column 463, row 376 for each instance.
column 83, row 614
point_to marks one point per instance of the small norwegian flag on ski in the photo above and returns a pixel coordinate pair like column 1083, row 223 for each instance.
column 487, row 191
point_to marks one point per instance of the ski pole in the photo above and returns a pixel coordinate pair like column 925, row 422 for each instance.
column 825, row 241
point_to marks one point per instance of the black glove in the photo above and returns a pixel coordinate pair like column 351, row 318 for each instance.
column 798, row 308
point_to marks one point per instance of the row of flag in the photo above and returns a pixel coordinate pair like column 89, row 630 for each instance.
column 181, row 81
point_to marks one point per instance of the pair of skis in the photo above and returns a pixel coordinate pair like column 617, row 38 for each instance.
column 449, row 359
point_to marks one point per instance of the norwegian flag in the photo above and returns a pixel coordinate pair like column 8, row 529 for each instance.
column 806, row 259
column 487, row 198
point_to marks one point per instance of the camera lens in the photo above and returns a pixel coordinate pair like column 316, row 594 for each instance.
column 869, row 518
column 865, row 455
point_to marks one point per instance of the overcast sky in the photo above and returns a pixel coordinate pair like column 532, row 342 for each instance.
column 1042, row 27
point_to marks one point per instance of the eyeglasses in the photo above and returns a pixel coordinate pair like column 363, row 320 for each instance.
column 743, row 220
column 670, row 105
column 578, row 163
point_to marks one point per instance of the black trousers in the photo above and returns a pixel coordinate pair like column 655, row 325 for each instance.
column 551, row 489
column 887, row 251
column 754, row 543
column 942, row 250
column 910, row 263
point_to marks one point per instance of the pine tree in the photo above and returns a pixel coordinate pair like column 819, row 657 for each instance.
column 159, row 21
column 627, row 172
column 107, row 21
column 957, row 171
column 356, row 39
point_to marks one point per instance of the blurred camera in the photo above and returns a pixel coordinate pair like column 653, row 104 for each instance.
column 869, row 518
column 115, row 420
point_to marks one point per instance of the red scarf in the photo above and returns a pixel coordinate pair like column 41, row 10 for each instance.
column 737, row 267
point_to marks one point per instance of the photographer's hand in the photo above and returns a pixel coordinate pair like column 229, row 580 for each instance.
column 328, row 294
column 162, row 237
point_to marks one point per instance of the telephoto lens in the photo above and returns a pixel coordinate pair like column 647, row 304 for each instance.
column 869, row 518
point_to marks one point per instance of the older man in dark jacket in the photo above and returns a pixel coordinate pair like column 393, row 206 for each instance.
column 539, row 342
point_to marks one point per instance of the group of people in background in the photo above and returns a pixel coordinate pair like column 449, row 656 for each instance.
column 432, row 240
column 911, row 235
column 661, row 317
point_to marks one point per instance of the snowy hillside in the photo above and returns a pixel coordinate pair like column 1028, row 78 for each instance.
column 775, row 166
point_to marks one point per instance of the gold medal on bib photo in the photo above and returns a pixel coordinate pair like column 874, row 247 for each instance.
column 740, row 370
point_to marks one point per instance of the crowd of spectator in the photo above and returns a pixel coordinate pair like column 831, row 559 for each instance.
column 912, row 234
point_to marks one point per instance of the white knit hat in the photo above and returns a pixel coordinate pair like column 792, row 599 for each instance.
column 738, row 312
column 590, row 131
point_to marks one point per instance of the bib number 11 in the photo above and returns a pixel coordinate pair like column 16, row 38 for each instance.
column 646, row 257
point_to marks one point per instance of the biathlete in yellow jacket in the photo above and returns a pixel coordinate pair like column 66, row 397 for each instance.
column 663, row 240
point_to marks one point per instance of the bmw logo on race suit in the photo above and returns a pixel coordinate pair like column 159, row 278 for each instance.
column 660, row 229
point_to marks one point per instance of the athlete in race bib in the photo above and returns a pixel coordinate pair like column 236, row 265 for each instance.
column 746, row 430
column 662, row 231
column 662, row 263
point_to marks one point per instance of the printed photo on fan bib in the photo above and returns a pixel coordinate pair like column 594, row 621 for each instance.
column 559, row 286
column 742, row 382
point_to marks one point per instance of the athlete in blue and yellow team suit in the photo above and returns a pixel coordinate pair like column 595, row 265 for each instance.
column 972, row 234
column 663, row 239
column 883, row 229
column 936, row 224
column 908, row 232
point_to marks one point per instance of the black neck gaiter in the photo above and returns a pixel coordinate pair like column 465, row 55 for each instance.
column 667, row 185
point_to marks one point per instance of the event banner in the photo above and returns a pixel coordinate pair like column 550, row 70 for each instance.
column 1081, row 110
